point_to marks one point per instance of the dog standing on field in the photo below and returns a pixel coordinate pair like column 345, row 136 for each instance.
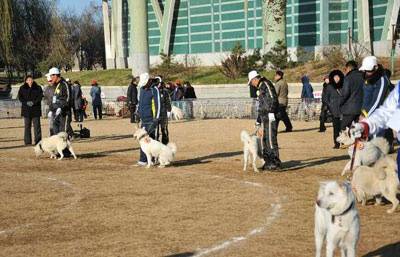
column 377, row 181
column 54, row 145
column 251, row 147
column 367, row 153
column 336, row 219
column 152, row 148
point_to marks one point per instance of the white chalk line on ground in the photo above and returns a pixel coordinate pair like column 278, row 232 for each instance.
column 76, row 199
column 275, row 213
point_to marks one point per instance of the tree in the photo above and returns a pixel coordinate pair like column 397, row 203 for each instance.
column 278, row 56
column 6, row 31
column 235, row 65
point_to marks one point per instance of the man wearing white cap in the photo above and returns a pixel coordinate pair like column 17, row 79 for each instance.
column 376, row 86
column 60, row 100
column 48, row 98
column 267, row 110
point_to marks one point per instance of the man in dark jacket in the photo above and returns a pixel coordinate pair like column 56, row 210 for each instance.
column 189, row 91
column 132, row 99
column 352, row 95
column 376, row 86
column 60, row 103
column 267, row 110
column 68, row 127
column 333, row 98
column 165, row 111
column 149, row 109
column 307, row 90
column 282, row 90
column 30, row 95
column 95, row 93
column 48, row 99
column 78, row 101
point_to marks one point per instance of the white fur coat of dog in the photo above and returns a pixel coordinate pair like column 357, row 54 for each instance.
column 336, row 219
column 367, row 152
column 53, row 145
column 251, row 146
column 152, row 148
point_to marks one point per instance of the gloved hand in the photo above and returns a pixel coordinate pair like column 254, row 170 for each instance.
column 169, row 115
column 58, row 111
column 29, row 103
column 359, row 130
column 257, row 125
column 50, row 115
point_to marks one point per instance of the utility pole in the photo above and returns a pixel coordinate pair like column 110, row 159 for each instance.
column 392, row 52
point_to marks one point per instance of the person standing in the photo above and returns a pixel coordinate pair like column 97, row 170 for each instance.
column 48, row 99
column 30, row 95
column 333, row 98
column 165, row 112
column 267, row 110
column 149, row 109
column 69, row 112
column 78, row 101
column 282, row 91
column 178, row 91
column 60, row 102
column 307, row 90
column 352, row 95
column 189, row 91
column 376, row 86
column 132, row 99
column 95, row 93
column 324, row 108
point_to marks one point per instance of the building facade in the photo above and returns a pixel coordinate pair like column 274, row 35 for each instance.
column 208, row 29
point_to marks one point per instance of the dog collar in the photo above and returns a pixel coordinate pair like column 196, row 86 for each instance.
column 343, row 213
column 142, row 136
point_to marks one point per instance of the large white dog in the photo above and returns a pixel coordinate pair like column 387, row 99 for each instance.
column 367, row 153
column 379, row 180
column 251, row 146
column 152, row 148
column 336, row 219
column 53, row 145
column 176, row 113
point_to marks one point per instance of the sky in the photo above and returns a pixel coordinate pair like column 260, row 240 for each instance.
column 75, row 5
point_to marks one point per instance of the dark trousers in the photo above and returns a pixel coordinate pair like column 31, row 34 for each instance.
column 151, row 129
column 97, row 109
column 36, row 129
column 347, row 120
column 132, row 110
column 270, row 143
column 78, row 113
column 282, row 115
column 336, row 129
column 163, row 125
column 322, row 118
column 68, row 127
column 59, row 124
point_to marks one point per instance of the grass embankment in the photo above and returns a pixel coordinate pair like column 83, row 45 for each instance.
column 210, row 75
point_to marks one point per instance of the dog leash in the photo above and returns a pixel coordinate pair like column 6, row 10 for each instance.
column 353, row 157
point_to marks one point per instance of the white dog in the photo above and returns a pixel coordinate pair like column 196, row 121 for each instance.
column 379, row 180
column 53, row 145
column 251, row 146
column 176, row 113
column 367, row 153
column 336, row 219
column 152, row 148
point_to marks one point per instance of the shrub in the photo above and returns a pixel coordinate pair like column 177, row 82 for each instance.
column 334, row 57
column 278, row 56
column 235, row 65
column 168, row 66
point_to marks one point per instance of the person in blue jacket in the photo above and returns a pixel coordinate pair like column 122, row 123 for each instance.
column 149, row 109
column 307, row 90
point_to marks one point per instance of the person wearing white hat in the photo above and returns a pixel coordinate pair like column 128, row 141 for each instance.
column 149, row 109
column 60, row 101
column 48, row 98
column 268, row 107
column 376, row 86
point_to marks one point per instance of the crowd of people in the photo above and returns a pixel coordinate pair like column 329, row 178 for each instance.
column 353, row 94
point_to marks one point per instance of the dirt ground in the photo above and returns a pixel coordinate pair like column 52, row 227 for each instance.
column 203, row 205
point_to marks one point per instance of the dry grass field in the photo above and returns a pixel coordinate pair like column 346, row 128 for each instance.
column 203, row 205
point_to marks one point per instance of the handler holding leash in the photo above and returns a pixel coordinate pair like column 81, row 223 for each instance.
column 268, row 107
column 385, row 116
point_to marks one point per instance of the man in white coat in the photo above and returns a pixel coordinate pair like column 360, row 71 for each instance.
column 386, row 116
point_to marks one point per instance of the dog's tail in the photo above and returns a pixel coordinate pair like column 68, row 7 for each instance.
column 244, row 136
column 173, row 147
column 38, row 149
column 381, row 143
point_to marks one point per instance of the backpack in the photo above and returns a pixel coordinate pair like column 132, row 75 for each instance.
column 84, row 133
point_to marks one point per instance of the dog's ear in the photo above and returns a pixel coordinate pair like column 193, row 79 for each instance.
column 345, row 186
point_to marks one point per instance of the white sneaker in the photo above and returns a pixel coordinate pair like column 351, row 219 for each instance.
column 140, row 164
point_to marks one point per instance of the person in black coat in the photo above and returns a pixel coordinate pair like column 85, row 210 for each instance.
column 333, row 99
column 324, row 108
column 77, row 101
column 189, row 92
column 132, row 99
column 30, row 95
column 352, row 95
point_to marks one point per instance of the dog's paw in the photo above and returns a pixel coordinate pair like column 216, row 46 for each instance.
column 390, row 211
column 161, row 166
